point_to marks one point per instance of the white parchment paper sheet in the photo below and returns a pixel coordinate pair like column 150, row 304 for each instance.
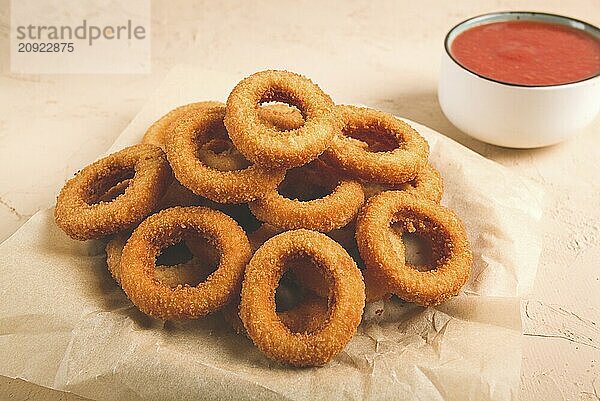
column 65, row 324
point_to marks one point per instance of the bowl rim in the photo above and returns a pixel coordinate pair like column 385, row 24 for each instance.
column 524, row 14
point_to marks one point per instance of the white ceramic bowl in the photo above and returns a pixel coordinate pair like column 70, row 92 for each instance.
column 512, row 115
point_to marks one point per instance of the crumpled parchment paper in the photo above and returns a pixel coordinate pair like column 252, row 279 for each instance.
column 65, row 324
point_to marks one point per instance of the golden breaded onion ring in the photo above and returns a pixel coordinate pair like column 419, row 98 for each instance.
column 257, row 308
column 265, row 144
column 335, row 210
column 80, row 210
column 169, row 227
column 237, row 186
column 435, row 223
column 395, row 166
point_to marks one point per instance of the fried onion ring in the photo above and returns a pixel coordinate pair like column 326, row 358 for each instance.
column 398, row 156
column 257, row 308
column 427, row 185
column 166, row 228
column 435, row 223
column 324, row 214
column 265, row 144
column 80, row 211
column 220, row 186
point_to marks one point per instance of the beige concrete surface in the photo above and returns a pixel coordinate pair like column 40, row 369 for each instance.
column 384, row 54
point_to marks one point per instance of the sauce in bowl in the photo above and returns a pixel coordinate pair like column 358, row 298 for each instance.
column 529, row 53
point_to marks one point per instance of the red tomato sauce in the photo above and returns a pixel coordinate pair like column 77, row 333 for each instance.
column 528, row 52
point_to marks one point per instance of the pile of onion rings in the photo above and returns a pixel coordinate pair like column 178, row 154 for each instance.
column 435, row 224
column 286, row 218
column 264, row 144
